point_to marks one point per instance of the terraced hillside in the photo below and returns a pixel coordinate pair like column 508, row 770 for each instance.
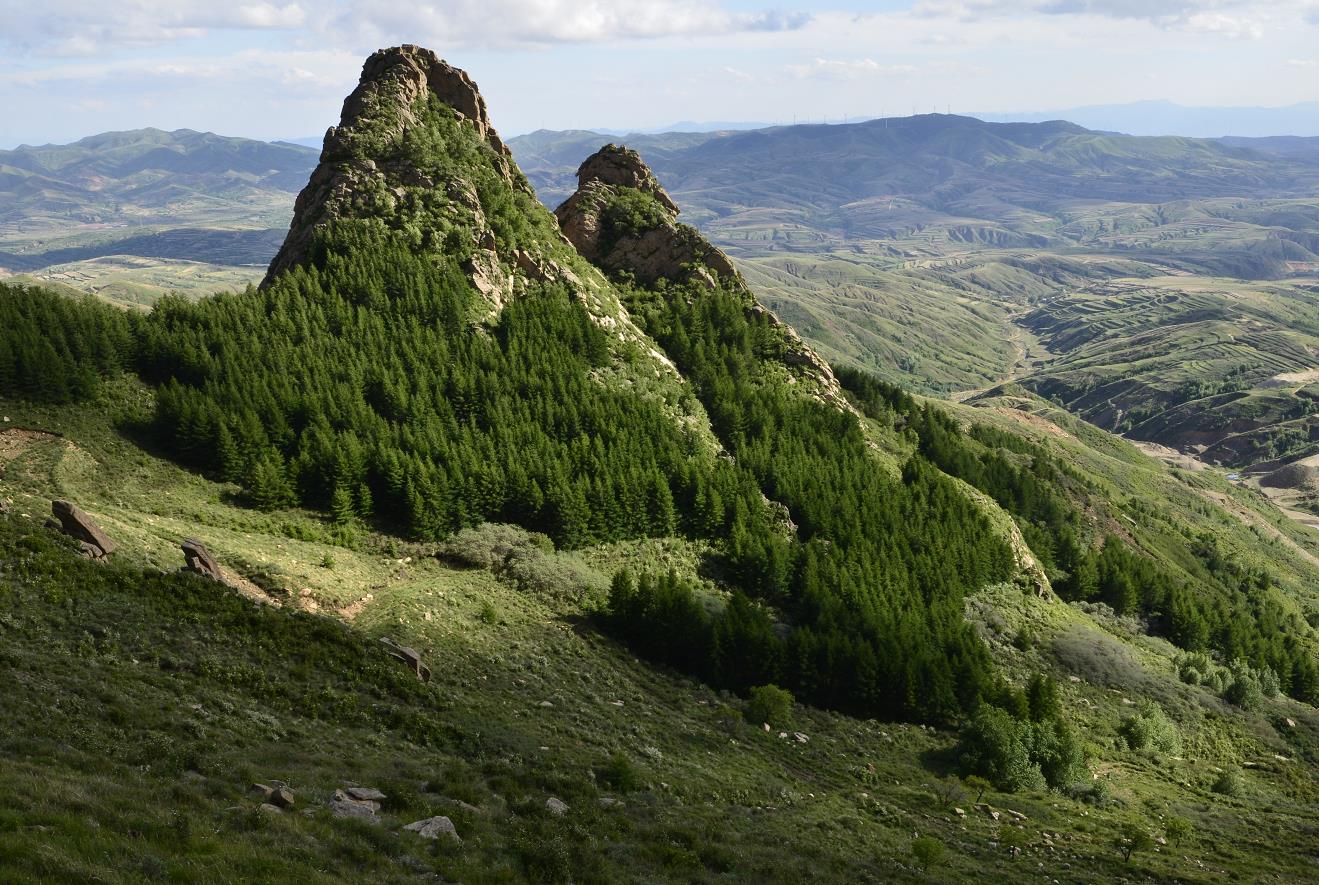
column 131, row 215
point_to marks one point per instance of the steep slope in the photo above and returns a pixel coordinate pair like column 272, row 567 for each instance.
column 428, row 349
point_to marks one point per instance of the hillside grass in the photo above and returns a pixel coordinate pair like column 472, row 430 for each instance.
column 175, row 694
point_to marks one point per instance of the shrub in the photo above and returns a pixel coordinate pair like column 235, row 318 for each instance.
column 1011, row 838
column 620, row 774
column 1133, row 838
column 978, row 784
column 947, row 792
column 998, row 747
column 1151, row 729
column 1244, row 690
column 927, row 850
column 1093, row 793
column 1058, row 751
column 526, row 560
column 1229, row 783
column 490, row 544
column 1177, row 829
column 489, row 614
column 769, row 704
column 629, row 213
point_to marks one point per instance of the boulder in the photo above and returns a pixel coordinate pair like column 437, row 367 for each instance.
column 77, row 524
column 434, row 828
column 198, row 560
column 556, row 806
column 365, row 794
column 343, row 805
column 409, row 656
column 282, row 797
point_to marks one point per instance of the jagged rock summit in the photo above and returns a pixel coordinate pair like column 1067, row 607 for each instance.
column 639, row 236
column 369, row 167
column 623, row 221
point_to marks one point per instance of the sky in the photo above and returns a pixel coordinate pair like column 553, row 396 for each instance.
column 280, row 69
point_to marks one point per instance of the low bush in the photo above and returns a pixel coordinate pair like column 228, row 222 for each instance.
column 1151, row 729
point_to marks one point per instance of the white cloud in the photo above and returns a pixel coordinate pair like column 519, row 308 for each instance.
column 503, row 23
column 1230, row 18
column 848, row 69
column 1302, row 63
column 76, row 27
column 79, row 27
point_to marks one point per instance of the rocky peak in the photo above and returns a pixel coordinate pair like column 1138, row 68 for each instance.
column 642, row 239
column 616, row 165
column 364, row 168
column 648, row 244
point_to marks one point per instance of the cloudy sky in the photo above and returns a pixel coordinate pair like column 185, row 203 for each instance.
column 70, row 68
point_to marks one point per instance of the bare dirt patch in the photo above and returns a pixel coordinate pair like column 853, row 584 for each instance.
column 17, row 440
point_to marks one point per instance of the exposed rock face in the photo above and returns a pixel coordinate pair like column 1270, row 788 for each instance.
column 620, row 166
column 666, row 249
column 356, row 157
column 662, row 252
column 77, row 524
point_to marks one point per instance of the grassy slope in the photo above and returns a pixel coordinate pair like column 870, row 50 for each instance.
column 127, row 778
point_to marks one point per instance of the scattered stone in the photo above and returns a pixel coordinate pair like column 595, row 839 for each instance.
column 365, row 794
column 610, row 802
column 800, row 738
column 988, row 809
column 960, row 812
column 1017, row 814
column 282, row 797
column 783, row 735
column 270, row 809
column 1073, row 678
column 547, row 704
column 1291, row 723
column 262, row 791
column 620, row 703
column 73, row 522
column 434, row 828
column 556, row 806
column 409, row 656
column 765, row 725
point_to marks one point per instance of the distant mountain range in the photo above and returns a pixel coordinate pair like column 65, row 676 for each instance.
column 803, row 188
column 1168, row 118
column 1013, row 183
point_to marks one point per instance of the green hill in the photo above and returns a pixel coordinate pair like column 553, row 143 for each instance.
column 605, row 507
